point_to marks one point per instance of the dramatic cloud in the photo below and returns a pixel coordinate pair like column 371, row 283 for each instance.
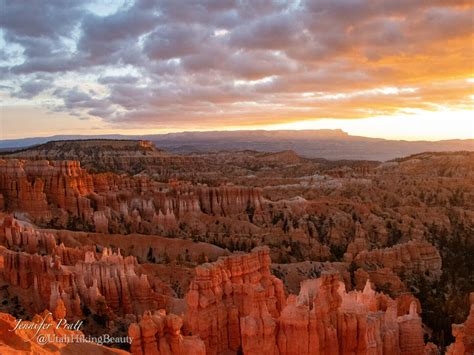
column 32, row 88
column 217, row 63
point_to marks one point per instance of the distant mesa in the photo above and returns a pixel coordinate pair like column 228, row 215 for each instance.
column 119, row 155
column 113, row 144
column 329, row 144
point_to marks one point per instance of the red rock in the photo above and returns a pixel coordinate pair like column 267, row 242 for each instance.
column 228, row 290
column 101, row 222
column 411, row 333
column 322, row 319
column 67, row 195
column 383, row 278
column 160, row 334
column 464, row 334
column 24, row 341
column 404, row 302
column 60, row 310
column 22, row 194
column 31, row 185
column 73, row 275
column 409, row 257
column 431, row 349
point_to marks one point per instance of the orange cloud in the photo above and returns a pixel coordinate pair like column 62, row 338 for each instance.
column 169, row 66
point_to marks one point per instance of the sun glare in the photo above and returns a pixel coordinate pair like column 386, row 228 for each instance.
column 419, row 125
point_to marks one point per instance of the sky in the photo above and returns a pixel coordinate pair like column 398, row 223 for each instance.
column 400, row 69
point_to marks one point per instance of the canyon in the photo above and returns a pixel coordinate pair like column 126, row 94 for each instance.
column 238, row 252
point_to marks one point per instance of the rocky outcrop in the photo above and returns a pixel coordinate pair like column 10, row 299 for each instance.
column 309, row 322
column 411, row 332
column 33, row 186
column 407, row 258
column 28, row 341
column 229, row 200
column 158, row 333
column 324, row 319
column 119, row 156
column 14, row 234
column 384, row 279
column 235, row 304
column 64, row 194
column 225, row 292
column 356, row 246
column 106, row 284
column 385, row 267
column 20, row 193
column 464, row 334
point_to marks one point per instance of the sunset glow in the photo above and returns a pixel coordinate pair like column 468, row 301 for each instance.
column 393, row 69
column 423, row 126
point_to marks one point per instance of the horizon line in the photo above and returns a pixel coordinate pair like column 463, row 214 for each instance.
column 99, row 136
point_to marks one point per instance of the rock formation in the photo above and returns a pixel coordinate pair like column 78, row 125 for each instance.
column 408, row 258
column 383, row 279
column 105, row 282
column 226, row 291
column 28, row 341
column 464, row 334
column 64, row 194
column 119, row 244
column 160, row 334
column 235, row 303
column 31, row 186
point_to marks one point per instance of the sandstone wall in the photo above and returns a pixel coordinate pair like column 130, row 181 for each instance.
column 62, row 193
column 106, row 282
column 235, row 305
column 407, row 258
column 464, row 334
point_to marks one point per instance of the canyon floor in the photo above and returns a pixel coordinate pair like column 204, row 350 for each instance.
column 236, row 252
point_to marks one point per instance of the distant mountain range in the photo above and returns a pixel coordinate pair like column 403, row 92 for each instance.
column 329, row 144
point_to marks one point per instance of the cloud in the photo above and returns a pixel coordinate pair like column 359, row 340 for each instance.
column 32, row 88
column 43, row 19
column 126, row 79
column 175, row 41
column 175, row 63
column 274, row 32
column 106, row 40
column 79, row 103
